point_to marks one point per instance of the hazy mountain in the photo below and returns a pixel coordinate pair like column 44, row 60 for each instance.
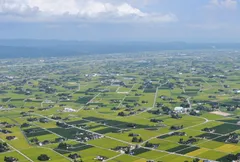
column 50, row 48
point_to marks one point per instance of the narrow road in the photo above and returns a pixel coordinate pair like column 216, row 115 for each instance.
column 129, row 143
column 154, row 101
column 18, row 151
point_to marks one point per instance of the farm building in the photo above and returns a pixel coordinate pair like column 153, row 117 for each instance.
column 69, row 110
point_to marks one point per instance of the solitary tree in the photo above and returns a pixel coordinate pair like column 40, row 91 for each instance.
column 43, row 157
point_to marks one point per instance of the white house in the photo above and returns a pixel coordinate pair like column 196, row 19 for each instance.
column 178, row 109
column 69, row 110
column 237, row 91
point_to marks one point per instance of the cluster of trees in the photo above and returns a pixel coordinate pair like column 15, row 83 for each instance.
column 46, row 88
column 133, row 135
column 194, row 113
column 62, row 125
column 151, row 145
column 131, row 125
column 10, row 159
column 232, row 138
column 43, row 157
column 155, row 112
column 25, row 125
column 135, row 139
column 124, row 114
column 64, row 146
column 115, row 108
column 204, row 108
column 176, row 127
column 32, row 119
column 196, row 160
column 144, row 101
column 190, row 141
column 75, row 157
column 121, row 114
column 34, row 140
column 4, row 147
column 178, row 134
column 233, row 157
column 156, row 120
column 176, row 116
column 210, row 130
column 166, row 109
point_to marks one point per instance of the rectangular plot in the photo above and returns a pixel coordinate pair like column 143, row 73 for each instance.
column 77, row 122
column 212, row 155
column 94, row 127
column 40, row 133
column 74, row 148
column 84, row 100
column 60, row 151
column 80, row 148
column 93, row 119
column 164, row 136
column 225, row 128
column 234, row 121
column 187, row 150
column 140, row 151
column 107, row 130
column 116, row 123
column 153, row 90
column 197, row 152
column 225, row 159
column 178, row 148
column 208, row 135
column 67, row 133
column 228, row 148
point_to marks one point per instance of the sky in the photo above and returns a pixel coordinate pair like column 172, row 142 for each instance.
column 121, row 20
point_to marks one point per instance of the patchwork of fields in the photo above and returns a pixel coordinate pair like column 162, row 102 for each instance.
column 121, row 108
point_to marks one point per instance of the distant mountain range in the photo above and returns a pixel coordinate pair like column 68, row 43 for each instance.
column 53, row 48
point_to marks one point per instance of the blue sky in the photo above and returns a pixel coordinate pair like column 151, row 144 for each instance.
column 113, row 20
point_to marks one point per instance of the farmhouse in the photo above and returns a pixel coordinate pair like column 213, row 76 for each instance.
column 86, row 136
column 4, row 147
column 58, row 140
column 4, row 131
column 123, row 149
column 156, row 120
column 232, row 138
column 175, row 127
column 100, row 158
column 10, row 159
column 56, row 118
column 190, row 141
column 24, row 125
column 237, row 91
column 178, row 134
column 63, row 125
column 64, row 146
column 209, row 130
column 11, row 138
column 178, row 109
column 151, row 145
column 7, row 125
column 43, row 120
column 133, row 135
column 45, row 142
column 117, row 83
column 69, row 110
column 74, row 156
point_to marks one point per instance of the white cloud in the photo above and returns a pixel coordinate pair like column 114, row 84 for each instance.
column 227, row 4
column 88, row 10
